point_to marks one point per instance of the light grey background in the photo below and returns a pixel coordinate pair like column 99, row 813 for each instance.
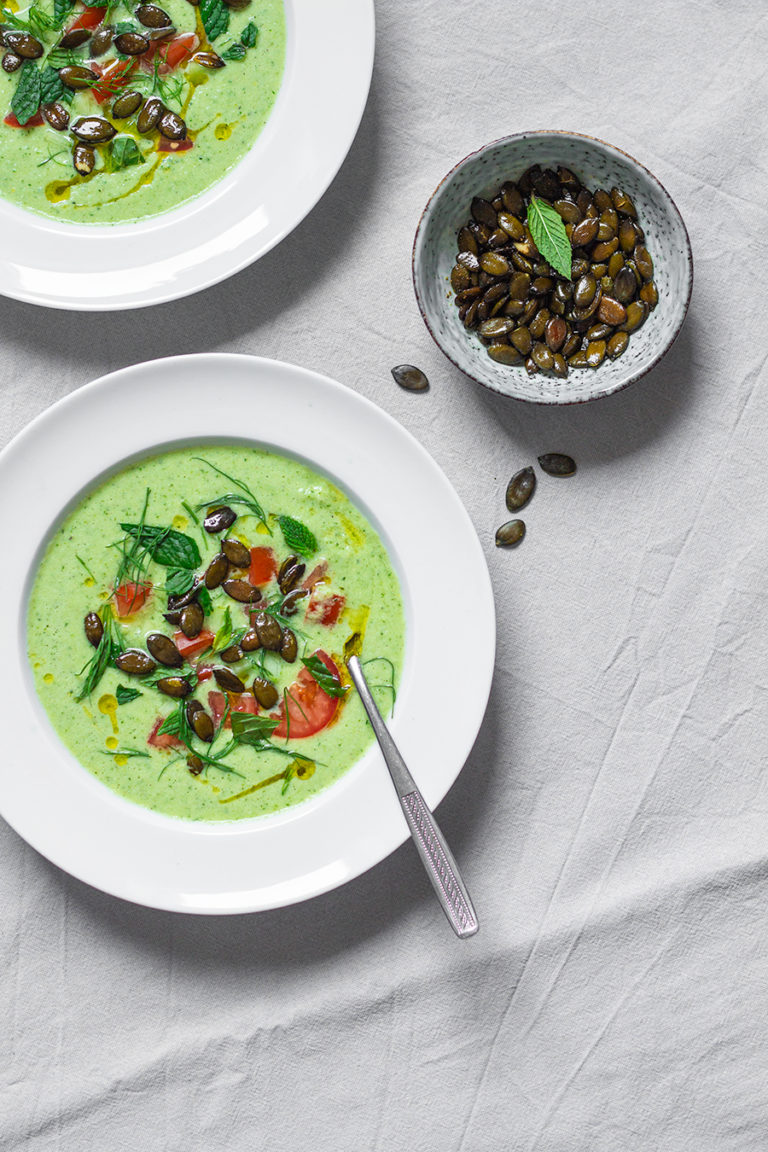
column 613, row 818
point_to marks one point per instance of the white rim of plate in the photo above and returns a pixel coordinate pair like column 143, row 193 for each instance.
column 90, row 267
column 79, row 824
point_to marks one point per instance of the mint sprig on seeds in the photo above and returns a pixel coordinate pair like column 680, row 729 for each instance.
column 549, row 235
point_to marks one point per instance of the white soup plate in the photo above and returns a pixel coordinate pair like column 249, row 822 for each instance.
column 328, row 67
column 113, row 844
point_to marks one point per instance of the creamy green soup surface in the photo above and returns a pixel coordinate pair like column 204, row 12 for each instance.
column 338, row 596
column 138, row 173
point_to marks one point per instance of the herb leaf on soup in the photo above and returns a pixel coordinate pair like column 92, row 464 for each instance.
column 329, row 683
column 166, row 546
column 125, row 695
column 26, row 99
column 297, row 536
column 215, row 17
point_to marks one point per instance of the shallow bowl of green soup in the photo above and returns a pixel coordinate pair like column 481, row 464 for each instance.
column 152, row 150
column 181, row 728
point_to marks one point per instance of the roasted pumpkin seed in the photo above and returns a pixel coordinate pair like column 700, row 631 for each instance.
column 226, row 679
column 265, row 692
column 520, row 489
column 164, row 650
column 231, row 655
column 219, row 519
column 175, row 686
column 557, row 464
column 83, row 159
column 410, row 378
column 191, row 620
column 126, row 104
column 216, row 572
column 56, row 115
column 269, row 631
column 250, row 642
column 241, row 591
column 134, row 662
column 238, row 555
column 289, row 648
column 131, row 44
column 94, row 629
column 510, row 534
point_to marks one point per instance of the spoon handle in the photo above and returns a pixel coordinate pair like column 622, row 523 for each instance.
column 430, row 844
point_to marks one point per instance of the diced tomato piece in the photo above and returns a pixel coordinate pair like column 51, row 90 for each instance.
column 114, row 76
column 173, row 53
column 164, row 145
column 310, row 709
column 238, row 702
column 316, row 576
column 326, row 611
column 130, row 598
column 90, row 18
column 263, row 566
column 34, row 122
column 194, row 647
column 160, row 739
column 204, row 672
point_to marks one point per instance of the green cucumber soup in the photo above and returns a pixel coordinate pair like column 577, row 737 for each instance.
column 114, row 114
column 189, row 624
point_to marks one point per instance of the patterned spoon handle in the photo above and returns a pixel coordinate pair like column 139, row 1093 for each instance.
column 430, row 844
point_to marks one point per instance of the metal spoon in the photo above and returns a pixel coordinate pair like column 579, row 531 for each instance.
column 435, row 853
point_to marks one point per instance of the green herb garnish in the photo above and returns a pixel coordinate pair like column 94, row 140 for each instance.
column 204, row 600
column 244, row 496
column 297, row 536
column 128, row 752
column 125, row 695
column 234, row 52
column 253, row 730
column 123, row 152
column 549, row 235
column 61, row 9
column 110, row 646
column 249, row 35
column 52, row 87
column 388, row 685
column 224, row 634
column 329, row 683
column 26, row 99
column 215, row 17
column 166, row 546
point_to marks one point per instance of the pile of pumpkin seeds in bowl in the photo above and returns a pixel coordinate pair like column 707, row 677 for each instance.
column 552, row 275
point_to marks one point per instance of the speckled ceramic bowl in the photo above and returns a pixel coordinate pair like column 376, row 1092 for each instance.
column 597, row 164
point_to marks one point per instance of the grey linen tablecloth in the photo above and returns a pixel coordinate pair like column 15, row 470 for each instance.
column 612, row 820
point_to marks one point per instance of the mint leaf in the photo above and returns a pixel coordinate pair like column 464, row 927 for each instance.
column 124, row 152
column 51, row 86
column 204, row 600
column 61, row 9
column 329, row 683
column 224, row 634
column 125, row 695
column 248, row 729
column 166, row 545
column 549, row 235
column 178, row 581
column 297, row 536
column 26, row 98
column 234, row 52
column 249, row 35
column 215, row 17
